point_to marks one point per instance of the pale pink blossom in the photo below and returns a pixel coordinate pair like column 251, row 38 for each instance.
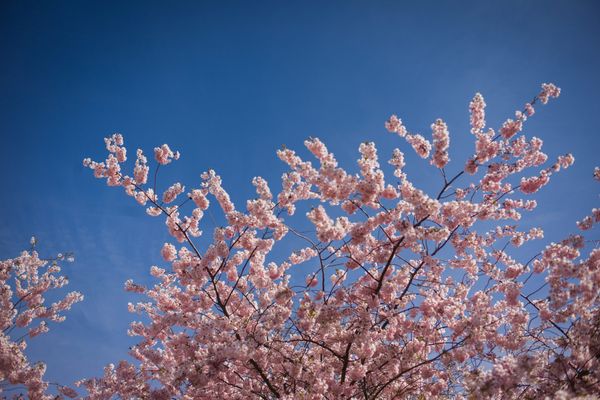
column 511, row 128
column 199, row 198
column 477, row 109
column 441, row 142
column 398, row 162
column 549, row 90
column 394, row 125
column 133, row 287
column 471, row 166
column 169, row 253
column 140, row 172
column 421, row 145
column 533, row 184
column 164, row 155
column 22, row 305
column 172, row 192
column 262, row 188
column 529, row 110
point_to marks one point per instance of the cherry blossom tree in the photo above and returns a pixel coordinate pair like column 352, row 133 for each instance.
column 409, row 294
column 23, row 316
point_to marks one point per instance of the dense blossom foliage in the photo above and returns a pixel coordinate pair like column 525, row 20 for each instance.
column 407, row 293
column 24, row 315
column 402, row 293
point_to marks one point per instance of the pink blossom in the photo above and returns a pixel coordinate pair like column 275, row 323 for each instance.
column 486, row 148
column 441, row 142
column 164, row 155
column 133, row 287
column 394, row 125
column 398, row 162
column 199, row 198
column 529, row 110
column 38, row 330
column 311, row 281
column 213, row 183
column 67, row 391
column 548, row 90
column 471, row 166
column 169, row 253
column 477, row 108
column 511, row 128
column 262, row 188
column 533, row 184
column 172, row 192
column 421, row 146
column 586, row 223
column 140, row 172
column 33, row 278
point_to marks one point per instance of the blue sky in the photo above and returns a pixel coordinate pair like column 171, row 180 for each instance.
column 227, row 83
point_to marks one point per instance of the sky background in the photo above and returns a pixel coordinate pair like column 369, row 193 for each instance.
column 227, row 83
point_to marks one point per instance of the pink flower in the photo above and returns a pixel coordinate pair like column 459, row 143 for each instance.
column 529, row 110
column 533, row 184
column 121, row 154
column 548, row 90
column 164, row 155
column 67, row 391
column 511, row 128
column 38, row 330
column 477, row 108
column 262, row 188
column 441, row 142
column 398, row 162
column 199, row 198
column 133, row 287
column 311, row 280
column 471, row 166
column 172, row 192
column 394, row 125
column 140, row 172
column 585, row 224
column 169, row 253
column 421, row 146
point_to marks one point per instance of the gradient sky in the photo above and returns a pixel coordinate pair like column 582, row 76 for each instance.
column 227, row 83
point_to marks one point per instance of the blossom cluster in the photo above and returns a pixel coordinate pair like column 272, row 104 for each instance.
column 24, row 315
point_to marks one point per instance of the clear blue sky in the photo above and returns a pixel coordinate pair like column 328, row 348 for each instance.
column 227, row 83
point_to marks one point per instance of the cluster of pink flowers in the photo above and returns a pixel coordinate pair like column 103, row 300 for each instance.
column 419, row 144
column 441, row 142
column 326, row 229
column 477, row 108
column 529, row 110
column 164, row 155
column 587, row 222
column 398, row 162
column 394, row 125
column 548, row 90
column 169, row 252
column 23, row 315
column 140, row 172
column 511, row 127
column 172, row 192
column 533, row 184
